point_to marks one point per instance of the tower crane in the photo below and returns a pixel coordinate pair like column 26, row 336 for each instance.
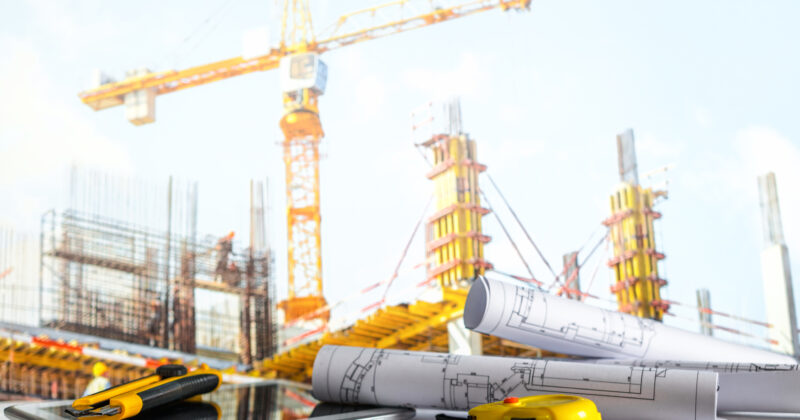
column 303, row 79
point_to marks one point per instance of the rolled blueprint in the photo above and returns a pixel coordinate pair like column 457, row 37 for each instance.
column 355, row 375
column 533, row 317
column 751, row 387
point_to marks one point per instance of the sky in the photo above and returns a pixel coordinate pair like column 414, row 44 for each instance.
column 709, row 88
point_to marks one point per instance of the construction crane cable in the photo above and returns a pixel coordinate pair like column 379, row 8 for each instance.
column 216, row 13
column 408, row 245
column 596, row 246
column 527, row 235
column 597, row 267
column 513, row 244
column 722, row 328
column 515, row 277
column 574, row 258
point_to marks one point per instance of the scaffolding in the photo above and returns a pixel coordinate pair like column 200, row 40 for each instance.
column 637, row 284
column 115, row 280
column 454, row 238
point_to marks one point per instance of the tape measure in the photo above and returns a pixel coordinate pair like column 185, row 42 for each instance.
column 540, row 407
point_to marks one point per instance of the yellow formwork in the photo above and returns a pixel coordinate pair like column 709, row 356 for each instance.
column 48, row 372
column 635, row 262
column 454, row 235
column 419, row 326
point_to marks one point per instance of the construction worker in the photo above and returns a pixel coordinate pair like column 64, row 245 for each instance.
column 100, row 381
column 233, row 277
column 224, row 249
column 154, row 323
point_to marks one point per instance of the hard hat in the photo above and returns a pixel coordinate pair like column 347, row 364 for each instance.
column 99, row 369
column 231, row 234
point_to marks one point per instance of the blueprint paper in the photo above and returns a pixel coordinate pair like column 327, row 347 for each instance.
column 742, row 386
column 719, row 367
column 533, row 317
column 355, row 375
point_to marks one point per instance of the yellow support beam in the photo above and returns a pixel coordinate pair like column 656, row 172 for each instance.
column 635, row 262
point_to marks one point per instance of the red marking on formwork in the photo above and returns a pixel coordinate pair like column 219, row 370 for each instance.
column 617, row 217
column 660, row 304
column 449, row 163
column 452, row 208
column 152, row 364
column 444, row 240
column 373, row 305
column 654, row 253
column 652, row 213
column 625, row 256
column 577, row 292
column 440, row 168
column 631, row 253
column 299, row 398
column 7, row 272
column 476, row 262
column 372, row 287
column 527, row 280
column 304, row 335
column 723, row 314
column 727, row 329
column 46, row 342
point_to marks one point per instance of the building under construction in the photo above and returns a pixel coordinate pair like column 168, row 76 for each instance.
column 124, row 265
column 115, row 280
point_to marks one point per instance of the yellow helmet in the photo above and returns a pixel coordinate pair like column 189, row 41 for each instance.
column 99, row 369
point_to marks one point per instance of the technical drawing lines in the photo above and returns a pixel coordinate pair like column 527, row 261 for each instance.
column 610, row 331
column 718, row 367
column 354, row 376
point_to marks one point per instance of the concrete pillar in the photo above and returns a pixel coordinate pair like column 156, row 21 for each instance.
column 463, row 341
column 775, row 271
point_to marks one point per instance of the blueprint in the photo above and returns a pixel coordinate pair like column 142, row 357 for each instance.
column 355, row 375
column 742, row 386
column 718, row 367
column 530, row 316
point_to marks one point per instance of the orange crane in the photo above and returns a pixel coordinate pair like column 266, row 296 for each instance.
column 303, row 79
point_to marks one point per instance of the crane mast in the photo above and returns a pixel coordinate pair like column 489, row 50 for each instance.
column 303, row 80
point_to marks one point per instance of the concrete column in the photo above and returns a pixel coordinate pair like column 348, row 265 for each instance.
column 775, row 271
column 463, row 341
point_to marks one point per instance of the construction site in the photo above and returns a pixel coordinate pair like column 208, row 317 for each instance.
column 120, row 273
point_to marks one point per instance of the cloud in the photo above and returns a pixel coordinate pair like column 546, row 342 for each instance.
column 40, row 134
column 765, row 149
column 470, row 77
column 761, row 150
column 369, row 87
column 755, row 150
column 370, row 93
column 656, row 148
column 702, row 116
column 511, row 152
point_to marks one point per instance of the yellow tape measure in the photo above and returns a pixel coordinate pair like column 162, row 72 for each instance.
column 540, row 407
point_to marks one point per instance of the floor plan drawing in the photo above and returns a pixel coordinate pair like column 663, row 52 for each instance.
column 611, row 330
column 354, row 375
column 709, row 366
column 767, row 387
column 534, row 317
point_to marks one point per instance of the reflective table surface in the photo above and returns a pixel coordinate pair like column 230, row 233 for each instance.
column 279, row 400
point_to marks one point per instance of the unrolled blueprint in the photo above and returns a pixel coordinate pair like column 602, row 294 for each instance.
column 355, row 375
column 533, row 317
column 742, row 386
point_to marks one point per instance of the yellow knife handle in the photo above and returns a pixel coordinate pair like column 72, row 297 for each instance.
column 164, row 392
column 101, row 398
